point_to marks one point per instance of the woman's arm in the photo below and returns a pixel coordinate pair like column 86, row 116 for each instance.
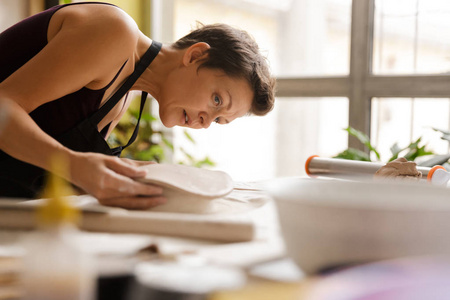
column 107, row 178
column 83, row 51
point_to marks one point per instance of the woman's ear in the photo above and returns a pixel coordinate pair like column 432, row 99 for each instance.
column 196, row 52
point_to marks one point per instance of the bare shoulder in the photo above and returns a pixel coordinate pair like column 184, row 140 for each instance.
column 96, row 20
column 103, row 36
column 87, row 44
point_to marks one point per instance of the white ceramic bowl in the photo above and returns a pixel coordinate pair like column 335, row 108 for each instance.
column 327, row 223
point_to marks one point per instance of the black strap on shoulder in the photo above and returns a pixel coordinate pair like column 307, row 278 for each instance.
column 144, row 62
column 118, row 150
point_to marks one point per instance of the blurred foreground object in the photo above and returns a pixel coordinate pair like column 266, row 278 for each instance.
column 334, row 223
column 414, row 278
column 54, row 267
column 409, row 278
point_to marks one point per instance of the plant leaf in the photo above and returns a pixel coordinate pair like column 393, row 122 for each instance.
column 363, row 138
column 189, row 156
column 154, row 153
column 167, row 143
column 189, row 137
column 414, row 151
column 353, row 154
column 395, row 150
column 205, row 162
column 444, row 132
column 147, row 117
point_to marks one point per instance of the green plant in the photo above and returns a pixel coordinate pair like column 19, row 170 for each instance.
column 150, row 143
column 191, row 160
column 410, row 152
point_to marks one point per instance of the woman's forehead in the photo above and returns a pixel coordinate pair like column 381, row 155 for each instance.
column 241, row 97
column 234, row 85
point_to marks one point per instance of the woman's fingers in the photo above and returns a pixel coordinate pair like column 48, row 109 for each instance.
column 126, row 186
column 112, row 185
column 125, row 168
column 133, row 202
column 112, row 181
column 138, row 163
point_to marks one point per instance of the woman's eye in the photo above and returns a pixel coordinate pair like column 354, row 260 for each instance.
column 217, row 120
column 217, row 100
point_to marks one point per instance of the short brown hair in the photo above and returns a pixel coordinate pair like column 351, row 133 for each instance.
column 236, row 53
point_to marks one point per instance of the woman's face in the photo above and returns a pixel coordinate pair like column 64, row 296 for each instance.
column 195, row 98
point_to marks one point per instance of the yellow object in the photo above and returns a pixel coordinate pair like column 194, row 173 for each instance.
column 266, row 291
column 57, row 208
column 55, row 267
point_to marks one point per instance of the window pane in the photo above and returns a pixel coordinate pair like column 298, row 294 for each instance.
column 411, row 37
column 303, row 37
column 402, row 120
column 309, row 126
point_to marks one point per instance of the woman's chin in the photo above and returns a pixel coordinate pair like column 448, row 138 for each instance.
column 168, row 123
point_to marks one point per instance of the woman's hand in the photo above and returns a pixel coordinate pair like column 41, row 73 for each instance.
column 111, row 180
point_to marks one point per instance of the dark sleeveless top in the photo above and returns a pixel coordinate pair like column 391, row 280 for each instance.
column 71, row 119
column 20, row 43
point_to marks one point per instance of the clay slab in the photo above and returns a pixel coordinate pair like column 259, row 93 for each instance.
column 191, row 180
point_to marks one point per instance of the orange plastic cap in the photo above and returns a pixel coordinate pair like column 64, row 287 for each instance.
column 307, row 165
column 433, row 169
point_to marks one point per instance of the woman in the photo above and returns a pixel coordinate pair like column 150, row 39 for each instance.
column 64, row 74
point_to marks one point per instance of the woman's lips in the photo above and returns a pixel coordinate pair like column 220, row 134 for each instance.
column 186, row 118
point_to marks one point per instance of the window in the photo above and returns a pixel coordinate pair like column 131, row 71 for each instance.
column 409, row 37
column 339, row 63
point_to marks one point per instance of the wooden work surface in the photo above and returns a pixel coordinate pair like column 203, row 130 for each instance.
column 260, row 258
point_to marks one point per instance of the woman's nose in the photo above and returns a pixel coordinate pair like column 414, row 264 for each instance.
column 205, row 120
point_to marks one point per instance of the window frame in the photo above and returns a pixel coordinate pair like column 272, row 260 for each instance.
column 361, row 85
